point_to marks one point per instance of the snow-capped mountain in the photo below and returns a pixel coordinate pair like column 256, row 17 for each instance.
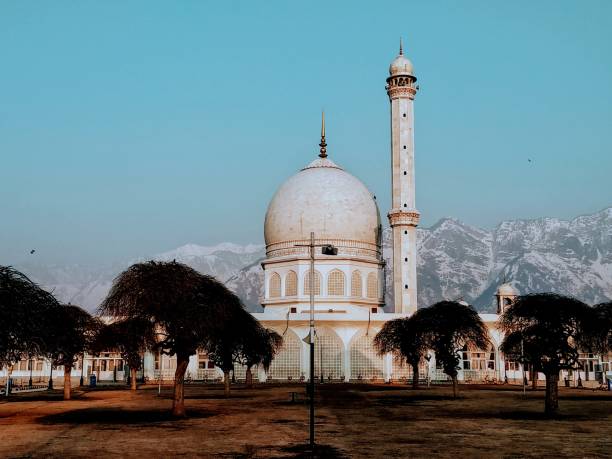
column 455, row 260
column 222, row 261
column 88, row 286
column 546, row 254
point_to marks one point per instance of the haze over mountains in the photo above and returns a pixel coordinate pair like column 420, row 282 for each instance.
column 455, row 260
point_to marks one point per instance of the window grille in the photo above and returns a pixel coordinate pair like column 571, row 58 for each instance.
column 275, row 285
column 335, row 283
column 356, row 284
column 240, row 372
column 317, row 283
column 402, row 371
column 291, row 284
column 287, row 361
column 372, row 285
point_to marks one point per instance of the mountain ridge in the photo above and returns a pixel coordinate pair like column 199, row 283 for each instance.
column 455, row 260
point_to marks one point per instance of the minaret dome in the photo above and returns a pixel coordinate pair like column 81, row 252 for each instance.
column 401, row 65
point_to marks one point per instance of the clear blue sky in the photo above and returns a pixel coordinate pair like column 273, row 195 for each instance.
column 132, row 127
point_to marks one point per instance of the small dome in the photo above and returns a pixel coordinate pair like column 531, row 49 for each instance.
column 401, row 66
column 327, row 200
column 506, row 290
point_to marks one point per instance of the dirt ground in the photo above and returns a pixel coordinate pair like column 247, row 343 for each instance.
column 374, row 421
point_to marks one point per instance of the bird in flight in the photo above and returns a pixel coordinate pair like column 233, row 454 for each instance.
column 32, row 251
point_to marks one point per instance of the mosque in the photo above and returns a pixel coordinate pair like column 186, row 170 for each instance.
column 325, row 205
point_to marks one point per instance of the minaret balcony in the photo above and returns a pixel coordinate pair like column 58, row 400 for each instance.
column 399, row 217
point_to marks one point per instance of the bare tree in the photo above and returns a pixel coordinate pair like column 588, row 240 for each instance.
column 184, row 308
column 449, row 326
column 23, row 306
column 131, row 338
column 548, row 330
column 239, row 342
column 69, row 330
column 259, row 348
column 407, row 339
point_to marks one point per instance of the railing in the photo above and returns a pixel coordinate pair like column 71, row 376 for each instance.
column 480, row 376
column 208, row 374
column 438, row 376
column 166, row 375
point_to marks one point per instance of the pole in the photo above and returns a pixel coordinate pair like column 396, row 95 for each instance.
column 82, row 368
column 31, row 366
column 321, row 359
column 312, row 349
column 523, row 366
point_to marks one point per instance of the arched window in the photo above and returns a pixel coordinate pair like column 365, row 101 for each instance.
column 291, row 284
column 356, row 284
column 317, row 283
column 372, row 286
column 335, row 283
column 275, row 285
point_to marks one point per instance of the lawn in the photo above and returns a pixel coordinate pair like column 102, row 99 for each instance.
column 352, row 421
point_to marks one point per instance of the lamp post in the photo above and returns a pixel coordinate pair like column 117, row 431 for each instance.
column 326, row 249
column 31, row 366
column 523, row 366
column 311, row 341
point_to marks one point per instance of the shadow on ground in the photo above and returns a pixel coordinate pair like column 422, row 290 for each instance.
column 320, row 452
column 413, row 398
column 47, row 396
column 121, row 417
column 519, row 415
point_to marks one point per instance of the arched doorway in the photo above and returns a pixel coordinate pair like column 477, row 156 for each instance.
column 366, row 364
column 287, row 361
column 328, row 354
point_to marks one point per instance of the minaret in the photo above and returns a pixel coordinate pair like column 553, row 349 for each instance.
column 403, row 215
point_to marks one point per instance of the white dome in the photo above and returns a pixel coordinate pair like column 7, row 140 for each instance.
column 506, row 290
column 324, row 199
column 401, row 66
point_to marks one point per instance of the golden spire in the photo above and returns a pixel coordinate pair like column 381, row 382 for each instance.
column 323, row 145
column 401, row 47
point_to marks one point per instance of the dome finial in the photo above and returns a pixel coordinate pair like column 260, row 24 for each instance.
column 323, row 145
column 401, row 47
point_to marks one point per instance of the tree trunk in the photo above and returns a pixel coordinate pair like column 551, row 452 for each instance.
column 415, row 375
column 178, row 402
column 551, row 404
column 226, row 382
column 249, row 378
column 67, row 381
column 133, row 378
column 9, row 372
column 534, row 378
column 455, row 385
